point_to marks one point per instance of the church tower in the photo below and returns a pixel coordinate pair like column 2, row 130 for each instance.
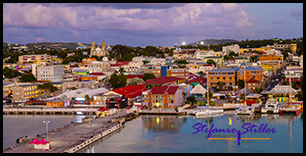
column 93, row 47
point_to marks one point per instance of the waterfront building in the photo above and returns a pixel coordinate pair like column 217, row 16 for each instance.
column 26, row 92
column 163, row 97
column 155, row 70
column 196, row 81
column 281, row 93
column 89, row 77
column 100, row 76
column 131, row 92
column 53, row 73
column 34, row 58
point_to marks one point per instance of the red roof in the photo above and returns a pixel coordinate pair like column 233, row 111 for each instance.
column 133, row 76
column 159, row 89
column 130, row 91
column 171, row 90
column 163, row 80
column 204, row 80
column 252, row 80
column 102, row 109
column 96, row 74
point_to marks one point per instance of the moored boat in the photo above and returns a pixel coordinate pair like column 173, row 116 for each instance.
column 272, row 105
column 244, row 110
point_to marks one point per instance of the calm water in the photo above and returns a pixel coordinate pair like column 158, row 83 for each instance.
column 174, row 134
column 15, row 126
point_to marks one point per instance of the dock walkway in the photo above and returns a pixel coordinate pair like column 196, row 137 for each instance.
column 72, row 135
column 49, row 110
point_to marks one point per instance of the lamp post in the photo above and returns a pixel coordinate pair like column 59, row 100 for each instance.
column 46, row 122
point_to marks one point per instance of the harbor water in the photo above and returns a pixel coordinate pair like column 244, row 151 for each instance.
column 176, row 134
column 15, row 126
column 163, row 134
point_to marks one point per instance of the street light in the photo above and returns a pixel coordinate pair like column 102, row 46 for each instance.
column 46, row 122
column 183, row 43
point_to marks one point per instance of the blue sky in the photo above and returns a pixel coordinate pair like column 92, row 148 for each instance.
column 141, row 24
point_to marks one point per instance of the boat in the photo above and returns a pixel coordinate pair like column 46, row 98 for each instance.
column 289, row 108
column 244, row 110
column 272, row 105
column 204, row 110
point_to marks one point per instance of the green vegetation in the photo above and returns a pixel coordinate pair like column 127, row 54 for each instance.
column 9, row 73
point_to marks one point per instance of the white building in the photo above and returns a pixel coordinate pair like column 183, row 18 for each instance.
column 53, row 73
column 200, row 54
column 234, row 47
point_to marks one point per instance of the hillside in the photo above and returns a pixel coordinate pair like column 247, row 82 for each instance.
column 213, row 41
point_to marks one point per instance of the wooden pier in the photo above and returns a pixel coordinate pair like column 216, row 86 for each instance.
column 49, row 111
column 74, row 136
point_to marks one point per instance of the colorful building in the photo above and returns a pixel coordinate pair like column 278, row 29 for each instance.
column 226, row 76
column 163, row 97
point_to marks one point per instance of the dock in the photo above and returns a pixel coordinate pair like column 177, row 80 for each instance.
column 162, row 113
column 74, row 136
column 49, row 111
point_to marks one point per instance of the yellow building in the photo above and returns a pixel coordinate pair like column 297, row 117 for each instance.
column 227, row 76
column 270, row 66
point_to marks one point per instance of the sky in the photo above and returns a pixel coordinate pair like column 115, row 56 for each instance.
column 142, row 24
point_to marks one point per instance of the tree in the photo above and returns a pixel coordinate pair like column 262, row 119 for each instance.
column 210, row 61
column 9, row 73
column 114, row 80
column 27, row 77
column 240, row 84
column 148, row 76
column 118, row 81
column 122, row 80
column 300, row 95
column 201, row 73
column 136, row 81
column 121, row 70
column 87, row 98
column 210, row 95
column 258, row 90
column 47, row 87
column 192, row 99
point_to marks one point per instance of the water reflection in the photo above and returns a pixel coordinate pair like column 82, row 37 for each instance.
column 169, row 124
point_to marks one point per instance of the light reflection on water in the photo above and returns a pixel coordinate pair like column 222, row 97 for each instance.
column 15, row 126
column 174, row 134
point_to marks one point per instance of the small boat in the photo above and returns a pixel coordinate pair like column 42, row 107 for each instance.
column 272, row 105
column 244, row 110
column 289, row 108
column 204, row 110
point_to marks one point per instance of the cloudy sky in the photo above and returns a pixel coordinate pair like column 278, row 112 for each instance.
column 141, row 24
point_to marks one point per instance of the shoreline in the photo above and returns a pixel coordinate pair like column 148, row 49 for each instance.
column 73, row 136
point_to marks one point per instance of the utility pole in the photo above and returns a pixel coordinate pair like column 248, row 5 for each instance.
column 46, row 122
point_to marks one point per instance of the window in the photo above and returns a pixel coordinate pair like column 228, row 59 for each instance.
column 218, row 78
column 211, row 79
column 230, row 78
column 223, row 79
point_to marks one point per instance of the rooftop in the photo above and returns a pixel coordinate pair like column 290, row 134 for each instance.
column 163, row 80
